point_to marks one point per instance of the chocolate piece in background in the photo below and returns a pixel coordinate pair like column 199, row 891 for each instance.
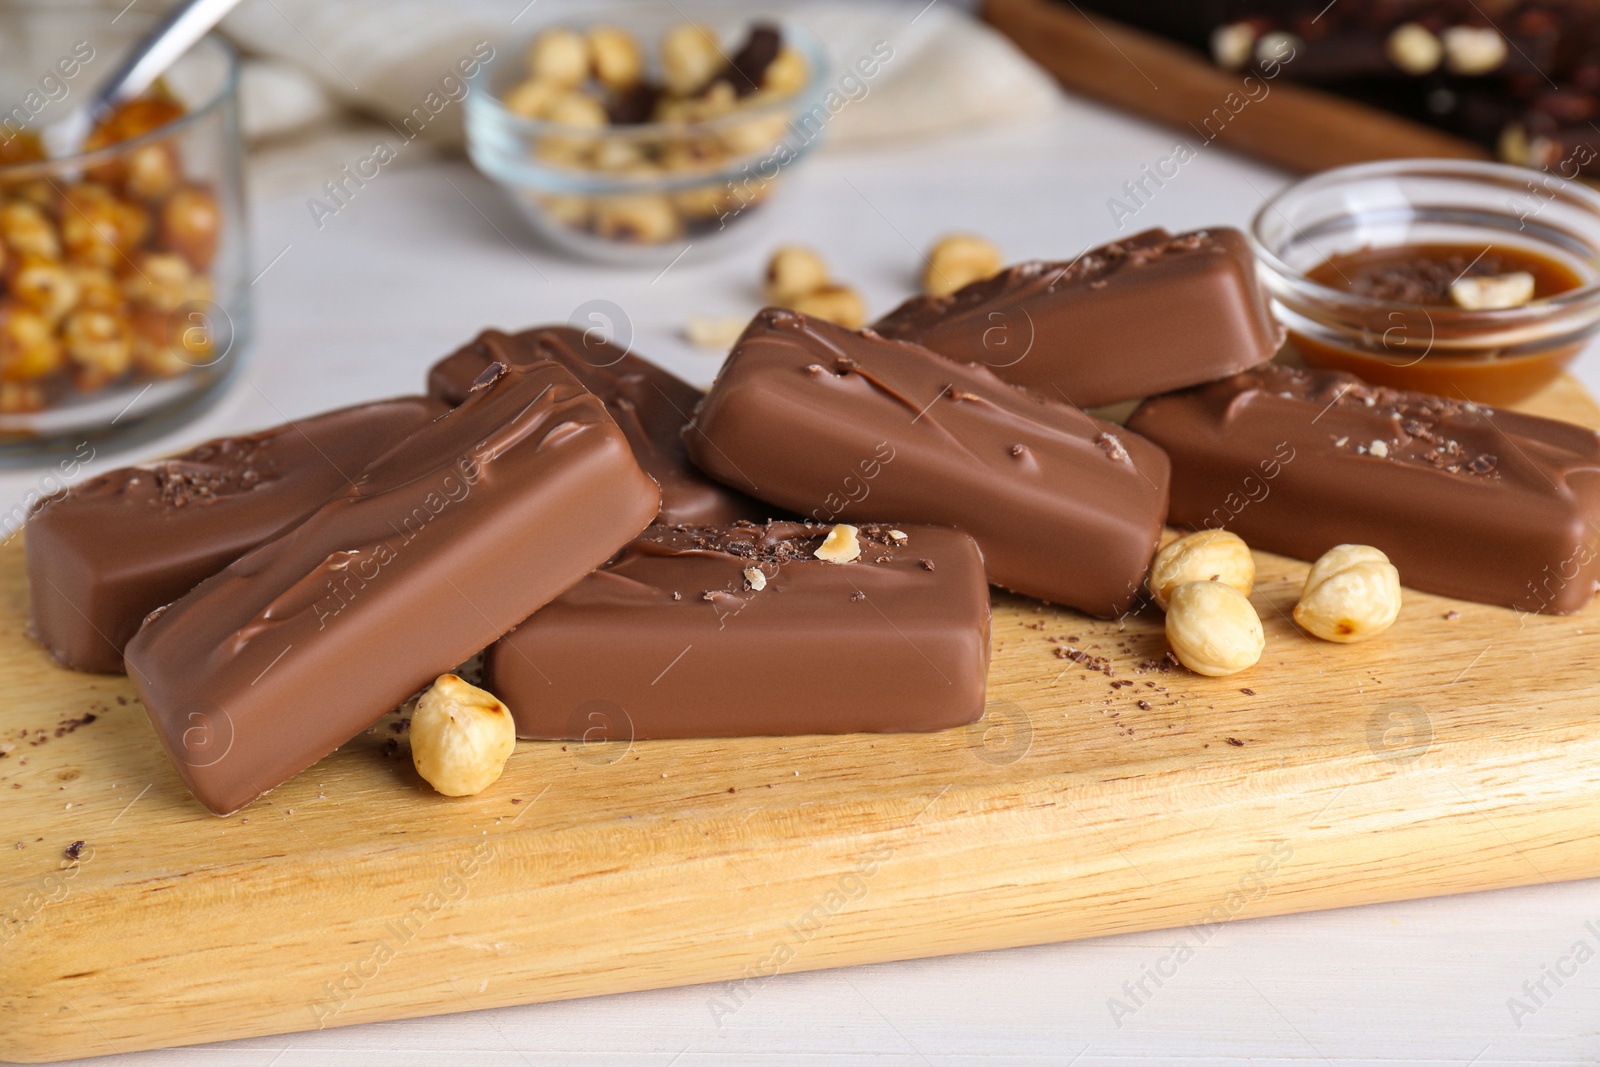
column 1520, row 79
column 673, row 639
column 651, row 406
column 112, row 549
column 442, row 544
column 845, row 426
column 1143, row 315
column 1467, row 501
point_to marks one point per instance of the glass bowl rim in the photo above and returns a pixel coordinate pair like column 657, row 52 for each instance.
column 1586, row 294
column 228, row 89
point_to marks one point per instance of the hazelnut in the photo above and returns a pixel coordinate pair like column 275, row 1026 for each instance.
column 27, row 230
column 151, row 171
column 690, row 57
column 20, row 397
column 715, row 333
column 45, row 285
column 573, row 211
column 617, row 157
column 1472, row 51
column 1231, row 45
column 98, row 288
column 959, row 260
column 755, row 135
column 559, row 56
column 1278, row 46
column 838, row 304
column 1351, row 593
column 1212, row 628
column 1414, row 49
column 28, row 345
column 1205, row 555
column 645, row 218
column 164, row 347
column 840, row 546
column 787, row 74
column 574, row 108
column 532, row 99
column 756, row 579
column 461, row 737
column 162, row 281
column 792, row 272
column 190, row 221
column 1492, row 292
column 100, row 346
column 98, row 229
column 704, row 201
column 618, row 60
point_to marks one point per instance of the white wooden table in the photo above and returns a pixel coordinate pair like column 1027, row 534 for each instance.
column 425, row 257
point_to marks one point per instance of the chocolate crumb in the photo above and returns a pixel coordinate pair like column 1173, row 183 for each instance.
column 516, row 800
column 925, row 564
column 1248, row 692
column 1452, row 615
column 730, row 789
column 1234, row 741
column 74, row 850
column 1144, row 705
column 858, row 595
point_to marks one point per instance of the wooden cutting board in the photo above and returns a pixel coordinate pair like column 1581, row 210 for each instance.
column 1457, row 752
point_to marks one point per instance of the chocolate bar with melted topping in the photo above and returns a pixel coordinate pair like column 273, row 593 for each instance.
column 1129, row 319
column 112, row 549
column 648, row 403
column 441, row 545
column 734, row 631
column 844, row 426
column 1467, row 501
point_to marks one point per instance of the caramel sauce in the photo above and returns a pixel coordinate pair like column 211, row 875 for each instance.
column 1421, row 274
column 1400, row 348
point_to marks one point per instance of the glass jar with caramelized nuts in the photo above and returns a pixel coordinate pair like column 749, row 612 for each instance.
column 653, row 129
column 121, row 264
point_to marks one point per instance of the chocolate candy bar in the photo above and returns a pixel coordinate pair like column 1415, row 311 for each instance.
column 1467, row 501
column 1135, row 317
column 733, row 631
column 841, row 426
column 441, row 545
column 650, row 404
column 112, row 549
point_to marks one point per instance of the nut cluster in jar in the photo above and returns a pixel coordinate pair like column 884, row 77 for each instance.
column 96, row 268
column 597, row 83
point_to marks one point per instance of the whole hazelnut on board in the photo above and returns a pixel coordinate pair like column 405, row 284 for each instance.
column 1351, row 594
column 1212, row 628
column 560, row 56
column 792, row 272
column 838, row 304
column 1205, row 555
column 461, row 737
column 959, row 260
column 690, row 57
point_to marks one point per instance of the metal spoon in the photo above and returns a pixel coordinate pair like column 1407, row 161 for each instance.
column 171, row 37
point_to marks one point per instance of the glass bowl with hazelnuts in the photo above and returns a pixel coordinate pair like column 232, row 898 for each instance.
column 649, row 130
column 121, row 261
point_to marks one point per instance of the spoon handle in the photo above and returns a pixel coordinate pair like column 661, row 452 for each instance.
column 174, row 35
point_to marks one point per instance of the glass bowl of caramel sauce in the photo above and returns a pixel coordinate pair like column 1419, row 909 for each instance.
column 1464, row 279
